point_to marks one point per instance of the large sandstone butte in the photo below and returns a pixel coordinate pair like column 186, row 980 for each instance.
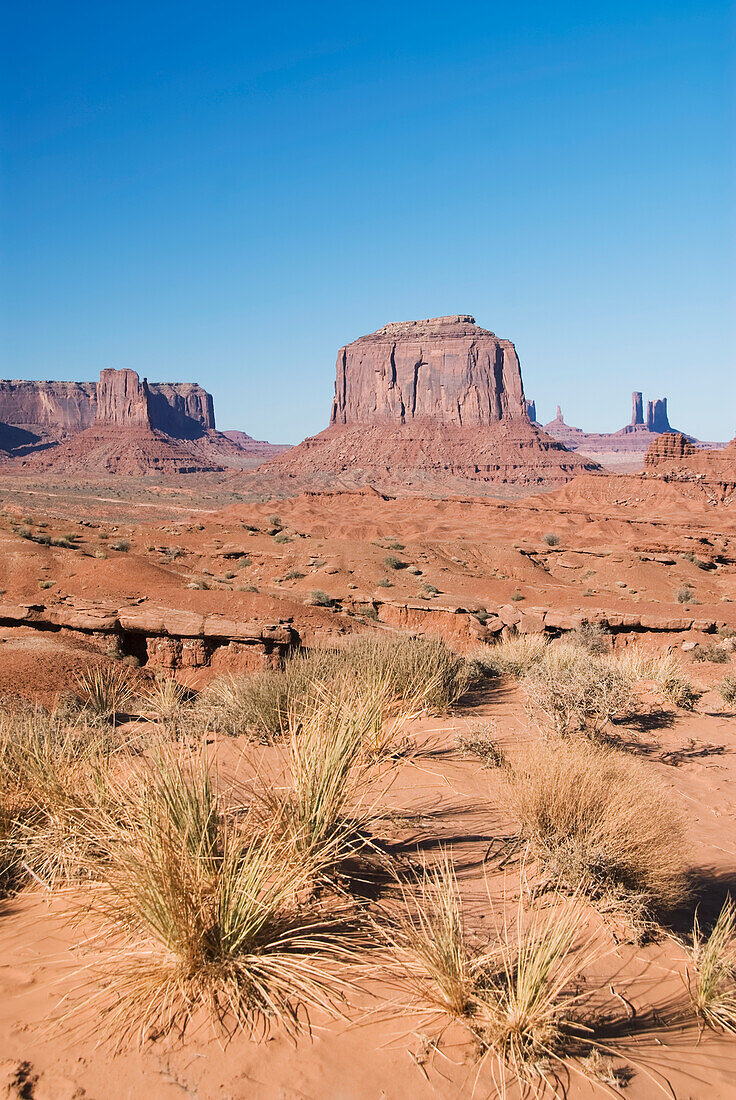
column 445, row 368
column 424, row 403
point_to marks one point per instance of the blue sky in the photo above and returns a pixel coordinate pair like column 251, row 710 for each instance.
column 227, row 192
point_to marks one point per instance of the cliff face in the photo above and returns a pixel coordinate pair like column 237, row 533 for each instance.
column 667, row 448
column 445, row 368
column 53, row 410
column 62, row 406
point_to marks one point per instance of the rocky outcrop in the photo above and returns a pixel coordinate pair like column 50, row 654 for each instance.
column 62, row 406
column 428, row 406
column 531, row 411
column 637, row 409
column 666, row 447
column 444, row 368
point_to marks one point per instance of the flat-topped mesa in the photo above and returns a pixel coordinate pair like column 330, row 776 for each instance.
column 442, row 368
column 179, row 409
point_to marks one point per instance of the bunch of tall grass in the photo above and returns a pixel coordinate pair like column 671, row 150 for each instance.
column 571, row 689
column 107, row 691
column 324, row 812
column 727, row 688
column 665, row 669
column 599, row 822
column 513, row 657
column 212, row 919
column 169, row 703
column 522, row 994
column 713, row 983
column 54, row 771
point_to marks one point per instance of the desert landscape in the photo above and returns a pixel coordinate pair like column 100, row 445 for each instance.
column 396, row 763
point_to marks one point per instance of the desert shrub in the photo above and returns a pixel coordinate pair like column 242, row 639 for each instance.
column 727, row 688
column 318, row 598
column 521, row 994
column 551, row 539
column 592, row 637
column 570, row 690
column 211, row 919
column 24, row 532
column 290, row 575
column 121, row 545
column 392, row 562
column 599, row 822
column 517, row 596
column 384, row 582
column 106, row 691
column 281, row 537
column 712, row 652
column 666, row 671
column 431, row 589
column 44, row 584
column 480, row 741
column 64, row 541
column 513, row 657
column 422, row 671
column 684, row 594
column 712, row 984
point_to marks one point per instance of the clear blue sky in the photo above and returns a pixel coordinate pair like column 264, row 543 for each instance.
column 227, row 192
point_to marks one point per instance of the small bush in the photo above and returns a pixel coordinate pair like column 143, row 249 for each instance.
column 684, row 594
column 318, row 598
column 551, row 539
column 392, row 562
column 46, row 584
column 431, row 589
column 517, row 596
column 571, row 690
column 209, row 919
column 665, row 669
column 599, row 822
column 712, row 652
column 121, row 545
column 24, row 532
column 591, row 637
column 291, row 575
column 384, row 583
column 281, row 537
column 727, row 688
column 106, row 691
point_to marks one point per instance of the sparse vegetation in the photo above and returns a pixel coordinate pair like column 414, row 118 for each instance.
column 551, row 539
column 592, row 637
column 106, row 691
column 121, row 545
column 684, row 594
column 392, row 562
column 318, row 598
column 599, row 822
column 666, row 671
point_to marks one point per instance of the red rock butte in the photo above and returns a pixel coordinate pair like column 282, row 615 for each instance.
column 419, row 402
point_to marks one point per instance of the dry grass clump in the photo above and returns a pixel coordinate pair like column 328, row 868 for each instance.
column 213, row 919
column 665, row 669
column 324, row 812
column 591, row 637
column 713, row 983
column 521, row 994
column 169, row 703
column 53, row 775
column 513, row 657
column 571, row 690
column 601, row 823
column 106, row 691
column 481, row 741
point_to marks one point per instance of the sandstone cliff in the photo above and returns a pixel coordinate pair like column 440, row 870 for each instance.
column 666, row 447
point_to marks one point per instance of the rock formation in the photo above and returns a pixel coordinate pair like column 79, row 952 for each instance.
column 624, row 449
column 531, row 411
column 668, row 446
column 445, row 368
column 425, row 404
